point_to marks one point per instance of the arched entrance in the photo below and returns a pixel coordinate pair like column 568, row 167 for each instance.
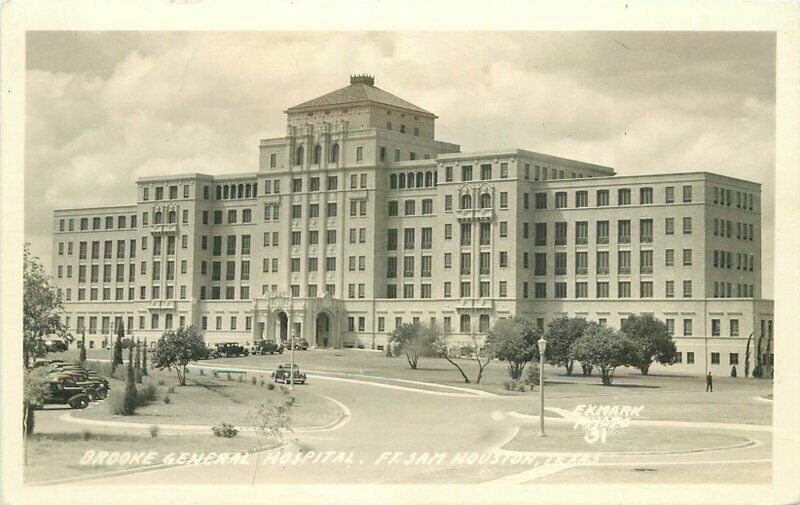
column 323, row 337
column 283, row 326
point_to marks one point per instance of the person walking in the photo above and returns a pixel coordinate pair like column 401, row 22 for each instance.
column 709, row 383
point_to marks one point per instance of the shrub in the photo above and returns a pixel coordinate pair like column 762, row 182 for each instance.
column 154, row 430
column 253, row 380
column 261, row 381
column 147, row 394
column 733, row 371
column 241, row 378
column 161, row 382
column 114, row 403
column 532, row 375
column 101, row 367
column 225, row 430
column 202, row 372
column 167, row 399
column 270, row 386
column 87, row 435
column 171, row 389
column 514, row 385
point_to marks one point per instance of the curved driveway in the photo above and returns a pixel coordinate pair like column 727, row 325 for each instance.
column 391, row 423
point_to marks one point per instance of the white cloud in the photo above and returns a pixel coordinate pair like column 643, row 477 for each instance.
column 162, row 103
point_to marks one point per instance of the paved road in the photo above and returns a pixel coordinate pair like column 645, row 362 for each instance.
column 389, row 426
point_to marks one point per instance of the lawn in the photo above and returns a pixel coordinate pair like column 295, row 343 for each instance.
column 207, row 401
column 563, row 438
column 438, row 371
column 58, row 456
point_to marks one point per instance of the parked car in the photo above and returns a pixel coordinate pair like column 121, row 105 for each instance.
column 96, row 386
column 64, row 391
column 229, row 349
column 266, row 347
column 55, row 345
column 300, row 344
column 281, row 374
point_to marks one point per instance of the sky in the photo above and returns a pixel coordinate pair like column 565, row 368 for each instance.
column 105, row 108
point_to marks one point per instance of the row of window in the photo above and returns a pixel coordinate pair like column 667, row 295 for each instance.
column 172, row 192
column 486, row 173
column 411, row 180
column 725, row 290
column 603, row 290
column 602, row 264
column 724, row 259
column 236, row 191
column 724, row 228
column 410, row 207
column 725, row 198
column 97, row 223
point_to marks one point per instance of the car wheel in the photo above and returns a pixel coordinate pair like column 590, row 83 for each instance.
column 102, row 393
column 79, row 403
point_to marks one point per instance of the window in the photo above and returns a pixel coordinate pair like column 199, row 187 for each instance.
column 645, row 196
column 540, row 290
column 624, row 231
column 561, row 233
column 646, row 262
column 715, row 358
column 669, row 196
column 602, row 289
column 687, row 194
column 504, row 170
column 669, row 226
column 733, row 358
column 465, row 323
column 734, row 327
column 540, row 201
column 503, row 200
column 359, row 153
column 624, row 289
column 540, row 230
column 687, row 257
column 602, row 198
column 687, row 289
column 687, row 226
column 503, row 289
column 646, row 289
column 581, row 290
column 669, row 257
column 561, row 200
column 410, row 209
column 486, row 172
column 690, row 358
column 582, row 199
column 466, row 173
column 646, row 231
column 669, row 289
column 560, row 289
column 624, row 196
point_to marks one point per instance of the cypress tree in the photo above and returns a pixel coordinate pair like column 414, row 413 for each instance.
column 129, row 397
column 138, row 363
column 144, row 357
column 82, row 357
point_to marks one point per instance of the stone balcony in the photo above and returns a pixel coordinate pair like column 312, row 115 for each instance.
column 161, row 306
column 464, row 215
column 163, row 229
column 474, row 304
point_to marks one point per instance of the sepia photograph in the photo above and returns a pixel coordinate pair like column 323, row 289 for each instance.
column 397, row 259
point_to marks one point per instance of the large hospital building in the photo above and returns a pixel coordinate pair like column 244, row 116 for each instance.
column 358, row 220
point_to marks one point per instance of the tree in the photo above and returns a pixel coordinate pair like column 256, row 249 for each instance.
column 514, row 340
column 650, row 341
column 144, row 357
column 129, row 396
column 138, row 363
column 82, row 358
column 439, row 348
column 41, row 307
column 747, row 356
column 118, row 343
column 35, row 391
column 410, row 339
column 602, row 348
column 175, row 349
column 561, row 334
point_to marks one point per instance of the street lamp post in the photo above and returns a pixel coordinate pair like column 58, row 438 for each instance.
column 542, row 345
column 291, row 371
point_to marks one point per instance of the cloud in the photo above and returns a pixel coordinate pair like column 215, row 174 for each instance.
column 104, row 108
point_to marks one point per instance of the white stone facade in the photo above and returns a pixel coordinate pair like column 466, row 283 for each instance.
column 349, row 227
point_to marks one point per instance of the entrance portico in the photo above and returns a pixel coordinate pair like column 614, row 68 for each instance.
column 314, row 319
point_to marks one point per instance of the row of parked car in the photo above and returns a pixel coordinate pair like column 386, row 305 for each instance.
column 73, row 385
column 259, row 347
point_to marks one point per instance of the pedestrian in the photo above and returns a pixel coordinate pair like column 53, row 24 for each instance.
column 709, row 383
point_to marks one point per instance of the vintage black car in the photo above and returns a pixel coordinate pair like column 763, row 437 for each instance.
column 55, row 345
column 228, row 350
column 282, row 374
column 97, row 387
column 266, row 347
column 300, row 344
column 65, row 391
